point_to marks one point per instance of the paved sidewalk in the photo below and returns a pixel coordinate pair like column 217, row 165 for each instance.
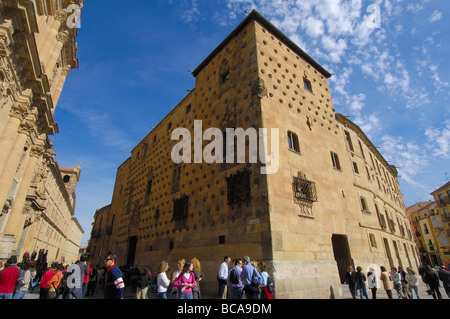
column 381, row 294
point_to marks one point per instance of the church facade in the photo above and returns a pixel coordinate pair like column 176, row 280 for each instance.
column 319, row 199
column 37, row 196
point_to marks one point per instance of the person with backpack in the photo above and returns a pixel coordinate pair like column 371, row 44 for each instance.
column 43, row 285
column 8, row 279
column 266, row 286
column 24, row 283
column 234, row 282
column 251, row 279
column 55, row 282
column 431, row 278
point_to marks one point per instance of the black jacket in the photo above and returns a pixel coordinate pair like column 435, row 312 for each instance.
column 360, row 279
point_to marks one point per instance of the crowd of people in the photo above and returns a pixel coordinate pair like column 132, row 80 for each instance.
column 237, row 279
column 79, row 280
column 243, row 280
column 404, row 283
column 56, row 281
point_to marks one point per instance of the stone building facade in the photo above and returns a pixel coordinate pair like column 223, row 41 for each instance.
column 332, row 200
column 442, row 199
column 37, row 52
column 425, row 217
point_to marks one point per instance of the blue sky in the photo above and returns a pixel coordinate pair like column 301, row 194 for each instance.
column 391, row 77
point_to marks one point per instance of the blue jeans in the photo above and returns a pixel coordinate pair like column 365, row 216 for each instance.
column 20, row 294
column 363, row 292
column 161, row 295
column 6, row 296
column 236, row 293
column 75, row 292
column 415, row 289
column 186, row 296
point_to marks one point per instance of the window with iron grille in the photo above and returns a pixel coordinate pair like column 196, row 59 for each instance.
column 238, row 186
column 304, row 189
column 180, row 210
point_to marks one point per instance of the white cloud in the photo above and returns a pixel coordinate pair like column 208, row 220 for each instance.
column 437, row 82
column 409, row 158
column 369, row 124
column 191, row 13
column 415, row 7
column 340, row 16
column 102, row 126
column 357, row 102
column 314, row 27
column 436, row 16
column 336, row 48
column 440, row 140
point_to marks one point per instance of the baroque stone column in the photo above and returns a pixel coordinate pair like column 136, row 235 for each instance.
column 58, row 86
column 16, row 220
column 19, row 111
column 48, row 41
column 13, row 160
column 61, row 38
column 9, row 135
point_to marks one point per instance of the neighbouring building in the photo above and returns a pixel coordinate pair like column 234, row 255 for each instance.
column 100, row 235
column 442, row 199
column 332, row 200
column 37, row 52
column 424, row 218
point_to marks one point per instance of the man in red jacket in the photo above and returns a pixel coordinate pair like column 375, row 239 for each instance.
column 8, row 278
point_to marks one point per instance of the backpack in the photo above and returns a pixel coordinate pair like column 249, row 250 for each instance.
column 270, row 285
column 234, row 278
